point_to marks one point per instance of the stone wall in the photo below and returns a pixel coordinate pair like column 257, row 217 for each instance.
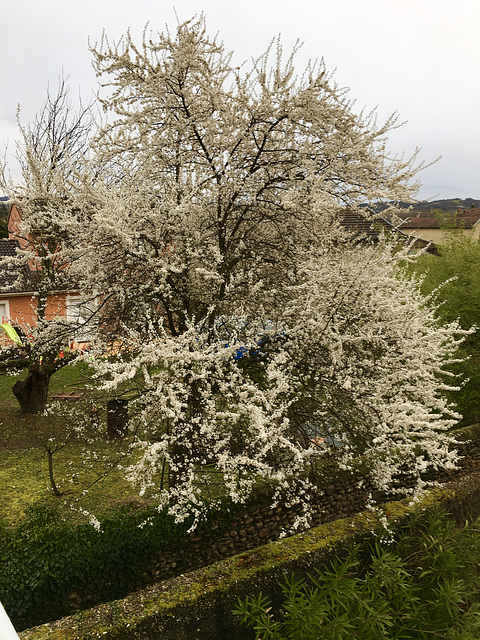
column 261, row 524
column 266, row 524
column 198, row 605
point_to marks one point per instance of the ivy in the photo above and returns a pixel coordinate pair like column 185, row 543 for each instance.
column 48, row 567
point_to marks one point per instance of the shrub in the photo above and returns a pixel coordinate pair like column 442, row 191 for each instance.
column 423, row 585
column 49, row 568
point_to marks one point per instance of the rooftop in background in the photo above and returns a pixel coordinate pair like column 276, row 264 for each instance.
column 8, row 248
column 8, row 274
column 370, row 227
column 461, row 219
column 438, row 228
column 365, row 226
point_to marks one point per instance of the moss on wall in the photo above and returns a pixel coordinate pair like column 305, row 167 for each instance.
column 198, row 605
column 467, row 434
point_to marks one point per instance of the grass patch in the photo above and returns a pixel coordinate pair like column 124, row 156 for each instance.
column 82, row 470
column 84, row 465
column 24, row 480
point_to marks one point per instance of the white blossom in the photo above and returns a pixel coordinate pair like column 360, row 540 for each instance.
column 207, row 225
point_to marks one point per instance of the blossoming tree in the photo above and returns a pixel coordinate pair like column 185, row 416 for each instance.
column 249, row 326
column 214, row 234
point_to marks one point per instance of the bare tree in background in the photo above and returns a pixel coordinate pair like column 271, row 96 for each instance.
column 51, row 150
column 56, row 139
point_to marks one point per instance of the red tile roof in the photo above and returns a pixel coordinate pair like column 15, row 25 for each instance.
column 370, row 227
column 466, row 219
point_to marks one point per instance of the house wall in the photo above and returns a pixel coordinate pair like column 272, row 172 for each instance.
column 13, row 226
column 22, row 307
column 439, row 236
column 22, row 310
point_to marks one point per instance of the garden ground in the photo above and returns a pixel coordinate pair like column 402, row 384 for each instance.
column 86, row 474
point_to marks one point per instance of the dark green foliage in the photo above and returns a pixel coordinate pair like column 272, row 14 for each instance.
column 4, row 211
column 423, row 584
column 49, row 568
column 455, row 275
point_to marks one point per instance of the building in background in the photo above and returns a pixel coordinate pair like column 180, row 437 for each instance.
column 436, row 229
column 19, row 286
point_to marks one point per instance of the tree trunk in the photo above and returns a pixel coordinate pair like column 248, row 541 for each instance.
column 117, row 418
column 53, row 484
column 32, row 393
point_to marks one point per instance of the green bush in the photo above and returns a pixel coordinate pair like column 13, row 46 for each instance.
column 423, row 584
column 48, row 568
column 454, row 277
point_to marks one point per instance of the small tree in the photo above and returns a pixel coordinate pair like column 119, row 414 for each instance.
column 4, row 211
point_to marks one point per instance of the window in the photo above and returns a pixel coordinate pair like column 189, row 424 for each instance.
column 82, row 317
column 4, row 311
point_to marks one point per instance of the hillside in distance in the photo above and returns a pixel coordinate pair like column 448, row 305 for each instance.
column 425, row 209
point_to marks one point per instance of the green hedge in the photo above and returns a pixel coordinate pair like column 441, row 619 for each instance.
column 49, row 568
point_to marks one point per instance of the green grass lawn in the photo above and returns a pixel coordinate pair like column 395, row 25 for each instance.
column 85, row 466
column 81, row 469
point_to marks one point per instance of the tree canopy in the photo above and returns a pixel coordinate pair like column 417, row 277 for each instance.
column 230, row 166
column 257, row 336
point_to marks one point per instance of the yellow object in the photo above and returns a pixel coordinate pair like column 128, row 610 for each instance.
column 11, row 333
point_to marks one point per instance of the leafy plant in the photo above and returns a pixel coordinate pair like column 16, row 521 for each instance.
column 424, row 585
column 453, row 278
column 49, row 568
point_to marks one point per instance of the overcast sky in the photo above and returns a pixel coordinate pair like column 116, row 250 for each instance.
column 420, row 58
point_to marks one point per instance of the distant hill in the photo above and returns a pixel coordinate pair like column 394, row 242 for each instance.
column 424, row 209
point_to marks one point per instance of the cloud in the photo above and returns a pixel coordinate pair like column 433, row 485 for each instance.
column 419, row 57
